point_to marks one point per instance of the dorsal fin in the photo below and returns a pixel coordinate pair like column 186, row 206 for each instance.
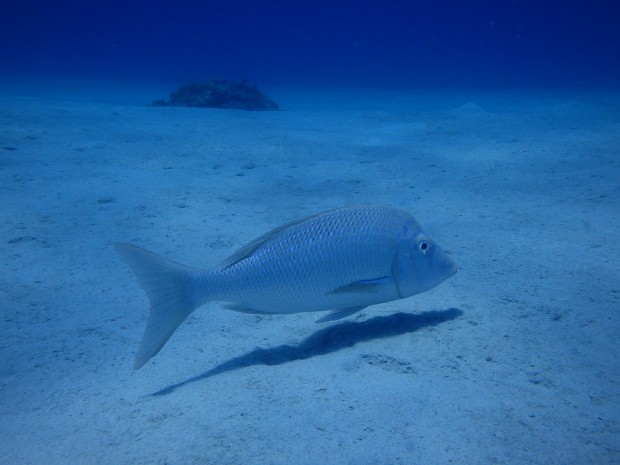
column 251, row 248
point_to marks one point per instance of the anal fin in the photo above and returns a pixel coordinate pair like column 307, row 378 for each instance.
column 245, row 308
column 340, row 313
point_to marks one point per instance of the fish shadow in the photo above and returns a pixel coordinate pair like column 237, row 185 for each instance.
column 326, row 341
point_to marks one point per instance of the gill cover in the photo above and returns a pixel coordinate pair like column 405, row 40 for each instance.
column 403, row 266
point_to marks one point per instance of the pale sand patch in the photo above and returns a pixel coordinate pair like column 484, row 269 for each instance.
column 522, row 189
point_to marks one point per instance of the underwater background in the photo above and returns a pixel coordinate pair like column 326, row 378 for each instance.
column 495, row 124
column 549, row 43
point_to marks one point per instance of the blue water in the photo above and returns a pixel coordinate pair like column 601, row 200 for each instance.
column 495, row 123
column 506, row 43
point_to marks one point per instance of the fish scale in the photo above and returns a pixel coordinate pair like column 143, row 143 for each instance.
column 341, row 260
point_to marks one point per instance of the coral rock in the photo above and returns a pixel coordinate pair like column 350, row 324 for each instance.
column 219, row 94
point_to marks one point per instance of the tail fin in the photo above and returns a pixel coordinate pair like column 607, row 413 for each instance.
column 169, row 287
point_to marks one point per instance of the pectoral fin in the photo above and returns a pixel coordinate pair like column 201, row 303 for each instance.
column 364, row 286
column 340, row 313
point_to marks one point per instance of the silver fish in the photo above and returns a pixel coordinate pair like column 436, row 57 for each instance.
column 341, row 260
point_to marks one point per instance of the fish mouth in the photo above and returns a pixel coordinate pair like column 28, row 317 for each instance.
column 454, row 269
column 446, row 268
column 450, row 266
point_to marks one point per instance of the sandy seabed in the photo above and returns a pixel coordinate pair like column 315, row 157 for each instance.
column 515, row 360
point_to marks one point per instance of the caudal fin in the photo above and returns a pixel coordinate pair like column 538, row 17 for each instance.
column 170, row 289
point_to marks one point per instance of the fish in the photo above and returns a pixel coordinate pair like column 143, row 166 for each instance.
column 341, row 261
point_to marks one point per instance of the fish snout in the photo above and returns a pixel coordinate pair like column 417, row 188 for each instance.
column 444, row 265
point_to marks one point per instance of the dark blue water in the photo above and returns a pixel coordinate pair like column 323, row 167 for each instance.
column 319, row 42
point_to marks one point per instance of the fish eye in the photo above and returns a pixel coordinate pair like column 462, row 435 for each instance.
column 423, row 246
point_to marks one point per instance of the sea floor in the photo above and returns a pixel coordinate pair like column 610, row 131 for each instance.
column 514, row 360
